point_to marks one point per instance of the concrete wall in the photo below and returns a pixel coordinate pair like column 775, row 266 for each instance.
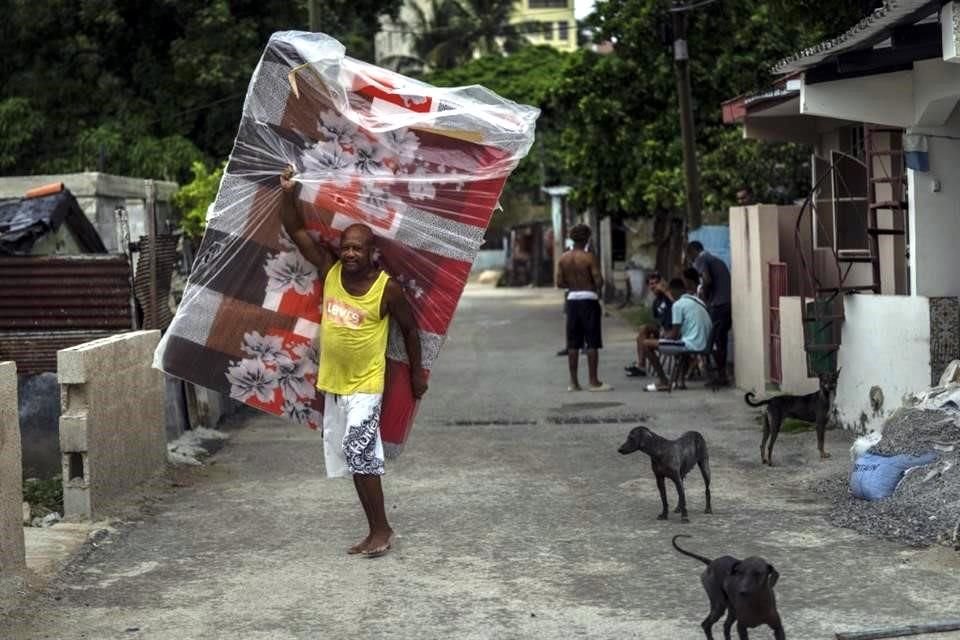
column 792, row 354
column 754, row 243
column 112, row 423
column 99, row 194
column 935, row 228
column 490, row 259
column 11, row 489
column 885, row 344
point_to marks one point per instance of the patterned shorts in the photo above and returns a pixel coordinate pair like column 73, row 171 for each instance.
column 351, row 435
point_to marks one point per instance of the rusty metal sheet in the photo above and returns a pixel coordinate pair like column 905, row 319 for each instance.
column 48, row 303
column 36, row 352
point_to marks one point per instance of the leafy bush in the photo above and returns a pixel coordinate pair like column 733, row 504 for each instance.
column 194, row 198
column 44, row 496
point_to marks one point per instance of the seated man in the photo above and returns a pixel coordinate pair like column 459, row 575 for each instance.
column 690, row 331
column 661, row 309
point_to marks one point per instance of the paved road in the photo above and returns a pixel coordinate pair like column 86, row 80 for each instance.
column 517, row 517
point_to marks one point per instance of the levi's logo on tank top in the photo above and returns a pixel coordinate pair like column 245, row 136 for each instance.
column 345, row 315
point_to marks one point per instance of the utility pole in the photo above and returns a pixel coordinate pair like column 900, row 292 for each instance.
column 314, row 15
column 681, row 60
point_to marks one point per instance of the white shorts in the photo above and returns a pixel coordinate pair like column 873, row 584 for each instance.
column 351, row 434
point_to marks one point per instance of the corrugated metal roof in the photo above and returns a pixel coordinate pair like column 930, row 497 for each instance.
column 36, row 352
column 166, row 261
column 49, row 303
column 868, row 31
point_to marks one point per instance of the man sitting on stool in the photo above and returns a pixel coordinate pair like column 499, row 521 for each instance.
column 689, row 331
column 661, row 309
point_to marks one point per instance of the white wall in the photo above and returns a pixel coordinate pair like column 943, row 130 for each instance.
column 884, row 99
column 490, row 259
column 935, row 216
column 793, row 357
column 885, row 343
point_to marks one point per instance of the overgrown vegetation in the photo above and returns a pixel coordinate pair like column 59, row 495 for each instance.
column 44, row 496
column 194, row 198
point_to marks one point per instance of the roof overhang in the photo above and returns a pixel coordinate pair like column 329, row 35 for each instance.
column 781, row 92
column 873, row 30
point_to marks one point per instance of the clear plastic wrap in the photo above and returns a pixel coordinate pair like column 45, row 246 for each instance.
column 421, row 166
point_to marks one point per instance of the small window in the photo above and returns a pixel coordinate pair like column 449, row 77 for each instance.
column 547, row 4
column 546, row 30
column 563, row 31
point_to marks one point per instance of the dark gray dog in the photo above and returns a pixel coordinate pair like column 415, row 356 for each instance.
column 742, row 588
column 813, row 407
column 672, row 459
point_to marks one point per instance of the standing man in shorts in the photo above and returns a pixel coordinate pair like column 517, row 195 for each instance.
column 358, row 301
column 715, row 291
column 579, row 273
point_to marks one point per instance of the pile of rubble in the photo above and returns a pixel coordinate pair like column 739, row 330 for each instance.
column 925, row 507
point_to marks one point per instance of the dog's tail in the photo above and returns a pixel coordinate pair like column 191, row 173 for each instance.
column 748, row 397
column 687, row 553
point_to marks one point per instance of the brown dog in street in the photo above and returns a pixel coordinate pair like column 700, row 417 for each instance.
column 672, row 459
column 742, row 588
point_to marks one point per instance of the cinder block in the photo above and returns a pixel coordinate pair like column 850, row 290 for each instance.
column 70, row 366
column 73, row 433
column 113, row 424
column 12, row 562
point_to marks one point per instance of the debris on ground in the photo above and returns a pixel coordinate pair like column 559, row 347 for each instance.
column 47, row 521
column 925, row 507
column 195, row 445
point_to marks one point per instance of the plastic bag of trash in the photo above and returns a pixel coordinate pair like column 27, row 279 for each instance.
column 875, row 477
column 423, row 167
column 863, row 444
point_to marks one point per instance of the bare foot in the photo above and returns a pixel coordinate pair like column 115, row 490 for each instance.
column 380, row 543
column 360, row 547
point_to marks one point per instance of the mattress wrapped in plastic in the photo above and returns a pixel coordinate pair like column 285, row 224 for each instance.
column 422, row 166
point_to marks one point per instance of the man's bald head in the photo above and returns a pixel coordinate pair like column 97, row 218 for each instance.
column 360, row 231
column 356, row 248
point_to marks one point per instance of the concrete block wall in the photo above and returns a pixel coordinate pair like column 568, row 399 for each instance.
column 884, row 354
column 112, row 421
column 11, row 489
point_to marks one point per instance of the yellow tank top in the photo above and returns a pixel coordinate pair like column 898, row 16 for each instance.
column 353, row 337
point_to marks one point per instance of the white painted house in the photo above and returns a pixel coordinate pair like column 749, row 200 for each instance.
column 876, row 241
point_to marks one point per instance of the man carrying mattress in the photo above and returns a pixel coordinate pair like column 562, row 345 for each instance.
column 358, row 301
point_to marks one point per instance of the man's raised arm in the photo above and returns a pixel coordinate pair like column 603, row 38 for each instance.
column 318, row 254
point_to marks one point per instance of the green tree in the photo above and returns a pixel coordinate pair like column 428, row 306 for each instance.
column 141, row 88
column 619, row 115
column 19, row 126
column 526, row 77
column 354, row 22
column 453, row 32
column 194, row 198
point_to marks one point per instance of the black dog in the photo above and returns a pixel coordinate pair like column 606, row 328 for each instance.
column 742, row 588
column 672, row 459
column 813, row 407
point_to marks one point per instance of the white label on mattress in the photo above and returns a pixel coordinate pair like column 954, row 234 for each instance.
column 306, row 328
column 272, row 300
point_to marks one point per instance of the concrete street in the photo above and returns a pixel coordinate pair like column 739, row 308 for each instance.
column 517, row 519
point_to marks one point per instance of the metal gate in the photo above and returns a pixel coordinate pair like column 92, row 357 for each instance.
column 778, row 287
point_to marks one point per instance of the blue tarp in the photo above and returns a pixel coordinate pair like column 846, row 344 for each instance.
column 715, row 238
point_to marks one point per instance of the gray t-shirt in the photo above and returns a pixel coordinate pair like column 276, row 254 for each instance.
column 719, row 278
